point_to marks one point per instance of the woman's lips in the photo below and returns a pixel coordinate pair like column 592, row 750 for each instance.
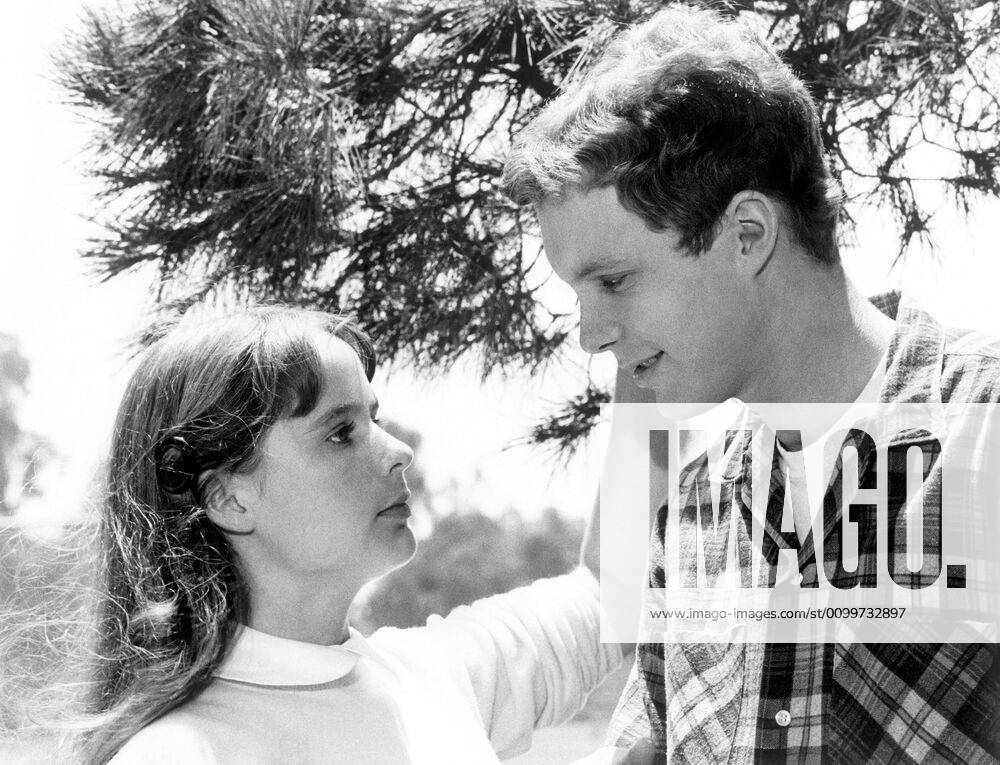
column 398, row 511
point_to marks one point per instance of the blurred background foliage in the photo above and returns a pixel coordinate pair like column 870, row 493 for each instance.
column 23, row 453
column 465, row 555
column 345, row 154
column 471, row 556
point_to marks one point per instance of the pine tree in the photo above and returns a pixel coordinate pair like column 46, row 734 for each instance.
column 346, row 154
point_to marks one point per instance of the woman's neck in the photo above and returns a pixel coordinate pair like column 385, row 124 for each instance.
column 289, row 606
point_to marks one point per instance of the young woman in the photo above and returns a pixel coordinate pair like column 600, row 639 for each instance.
column 251, row 493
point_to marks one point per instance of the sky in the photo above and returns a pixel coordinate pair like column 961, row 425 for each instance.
column 72, row 328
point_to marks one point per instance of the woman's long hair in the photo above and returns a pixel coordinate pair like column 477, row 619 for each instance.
column 170, row 591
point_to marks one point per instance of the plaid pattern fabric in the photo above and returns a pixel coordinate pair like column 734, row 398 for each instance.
column 698, row 687
column 851, row 703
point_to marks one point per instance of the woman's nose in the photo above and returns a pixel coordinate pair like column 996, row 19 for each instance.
column 399, row 454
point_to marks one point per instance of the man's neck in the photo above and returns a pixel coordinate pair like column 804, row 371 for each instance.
column 822, row 338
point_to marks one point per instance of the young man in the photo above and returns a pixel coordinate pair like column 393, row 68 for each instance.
column 683, row 192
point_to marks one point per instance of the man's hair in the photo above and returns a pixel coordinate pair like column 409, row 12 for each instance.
column 680, row 113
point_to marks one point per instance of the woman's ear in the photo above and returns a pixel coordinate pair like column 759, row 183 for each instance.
column 221, row 504
column 757, row 219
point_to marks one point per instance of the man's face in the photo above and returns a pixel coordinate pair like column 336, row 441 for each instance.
column 682, row 325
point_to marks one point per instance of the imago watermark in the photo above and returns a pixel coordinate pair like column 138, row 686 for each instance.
column 801, row 523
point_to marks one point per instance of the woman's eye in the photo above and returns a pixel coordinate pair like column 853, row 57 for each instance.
column 342, row 435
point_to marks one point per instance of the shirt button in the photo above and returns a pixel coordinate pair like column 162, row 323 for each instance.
column 783, row 717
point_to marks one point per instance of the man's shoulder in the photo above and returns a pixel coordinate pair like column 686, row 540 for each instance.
column 970, row 365
column 960, row 341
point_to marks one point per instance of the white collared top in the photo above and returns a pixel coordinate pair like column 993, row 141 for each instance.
column 264, row 659
column 462, row 689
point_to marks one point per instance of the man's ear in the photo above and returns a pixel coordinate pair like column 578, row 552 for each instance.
column 221, row 504
column 756, row 218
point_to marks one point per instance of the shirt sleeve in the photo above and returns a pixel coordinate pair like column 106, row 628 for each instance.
column 532, row 655
column 629, row 722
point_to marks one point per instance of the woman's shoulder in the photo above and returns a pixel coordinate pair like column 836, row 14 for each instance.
column 178, row 737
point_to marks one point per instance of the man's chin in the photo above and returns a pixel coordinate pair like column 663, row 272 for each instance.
column 695, row 401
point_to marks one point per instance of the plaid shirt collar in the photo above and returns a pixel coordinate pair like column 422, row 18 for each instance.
column 916, row 353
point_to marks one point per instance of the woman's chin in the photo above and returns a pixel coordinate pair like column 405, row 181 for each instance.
column 411, row 546
column 404, row 547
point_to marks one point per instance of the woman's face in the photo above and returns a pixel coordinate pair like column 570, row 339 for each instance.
column 328, row 493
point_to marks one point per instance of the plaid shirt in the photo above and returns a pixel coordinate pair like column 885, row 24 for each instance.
column 850, row 703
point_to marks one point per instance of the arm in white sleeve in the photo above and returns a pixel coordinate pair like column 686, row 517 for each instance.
column 532, row 655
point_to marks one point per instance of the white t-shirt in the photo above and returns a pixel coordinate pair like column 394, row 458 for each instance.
column 463, row 689
column 806, row 473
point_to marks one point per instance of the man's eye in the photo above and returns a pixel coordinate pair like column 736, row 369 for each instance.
column 342, row 435
column 611, row 283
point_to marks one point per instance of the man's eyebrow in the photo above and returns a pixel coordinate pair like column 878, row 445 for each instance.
column 604, row 264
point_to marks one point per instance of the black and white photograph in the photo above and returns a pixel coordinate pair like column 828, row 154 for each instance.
column 547, row 382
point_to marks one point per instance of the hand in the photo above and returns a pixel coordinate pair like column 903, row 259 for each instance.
column 626, row 392
column 642, row 753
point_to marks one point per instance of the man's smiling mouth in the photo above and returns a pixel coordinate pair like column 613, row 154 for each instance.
column 643, row 367
column 645, row 364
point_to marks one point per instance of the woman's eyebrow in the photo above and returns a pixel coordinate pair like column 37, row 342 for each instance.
column 331, row 414
column 340, row 410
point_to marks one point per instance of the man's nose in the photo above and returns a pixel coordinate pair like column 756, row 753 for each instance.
column 597, row 332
